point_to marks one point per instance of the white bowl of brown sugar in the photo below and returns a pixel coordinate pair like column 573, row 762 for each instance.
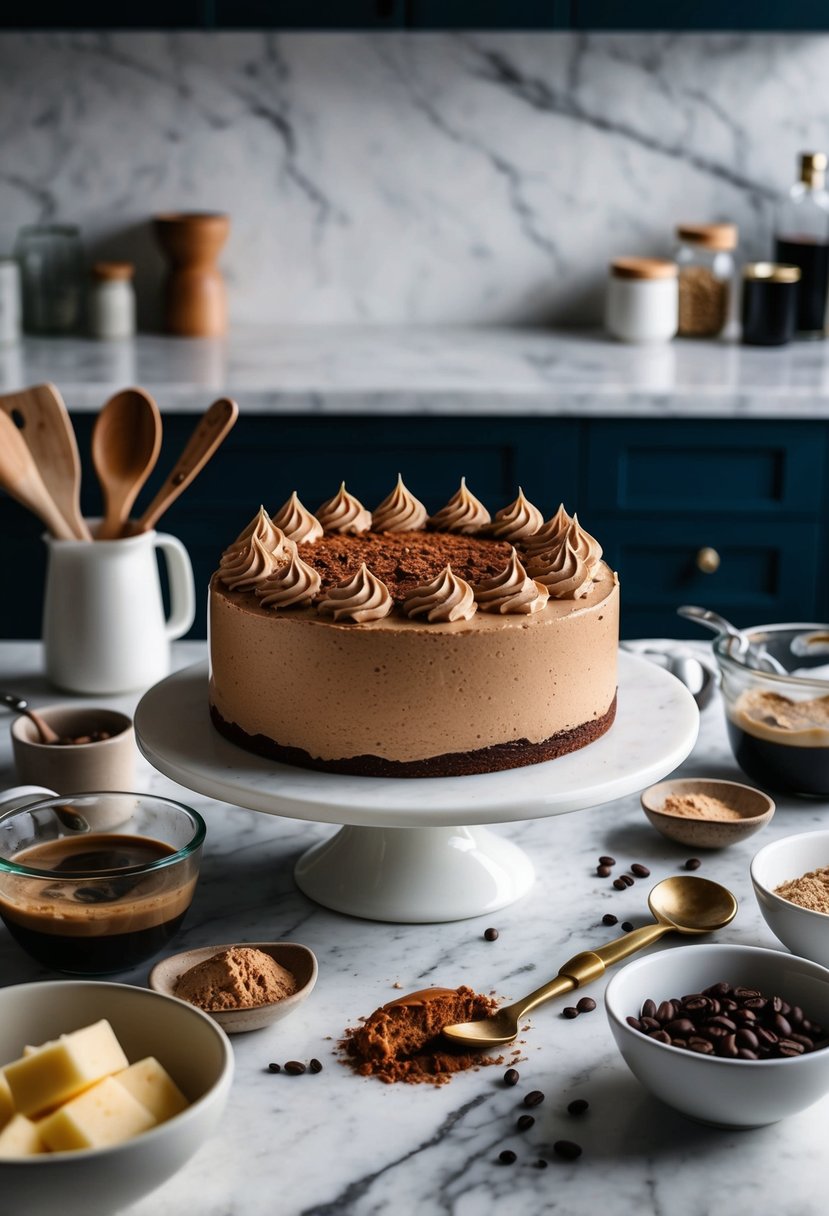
column 791, row 883
column 706, row 813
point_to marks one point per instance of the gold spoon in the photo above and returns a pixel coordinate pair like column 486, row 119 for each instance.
column 683, row 904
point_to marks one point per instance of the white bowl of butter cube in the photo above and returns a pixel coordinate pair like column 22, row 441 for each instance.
column 105, row 1092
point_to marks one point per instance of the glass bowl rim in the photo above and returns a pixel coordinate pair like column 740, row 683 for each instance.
column 722, row 652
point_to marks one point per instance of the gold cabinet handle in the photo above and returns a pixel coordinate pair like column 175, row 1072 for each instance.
column 708, row 560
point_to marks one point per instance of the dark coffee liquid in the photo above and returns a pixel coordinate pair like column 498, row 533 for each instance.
column 95, row 925
column 813, row 259
column 776, row 766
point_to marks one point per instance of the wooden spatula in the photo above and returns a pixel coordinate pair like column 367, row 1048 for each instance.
column 19, row 477
column 45, row 425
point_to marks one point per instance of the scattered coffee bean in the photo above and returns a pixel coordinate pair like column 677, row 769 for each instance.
column 524, row 1123
column 586, row 1004
column 491, row 935
column 569, row 1011
column 540, row 1164
column 603, row 871
column 567, row 1149
column 619, row 884
column 578, row 1106
column 507, row 1157
column 610, row 919
column 294, row 1068
column 607, row 861
column 627, row 925
column 274, row 1067
column 511, row 1076
column 693, row 863
column 534, row 1098
column 639, row 870
column 314, row 1066
column 627, row 880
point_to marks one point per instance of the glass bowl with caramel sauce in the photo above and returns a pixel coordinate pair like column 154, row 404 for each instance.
column 88, row 902
column 778, row 720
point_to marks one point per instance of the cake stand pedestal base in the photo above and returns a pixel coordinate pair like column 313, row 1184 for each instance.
column 415, row 875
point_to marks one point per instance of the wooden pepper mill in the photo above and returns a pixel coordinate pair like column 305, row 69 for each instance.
column 195, row 304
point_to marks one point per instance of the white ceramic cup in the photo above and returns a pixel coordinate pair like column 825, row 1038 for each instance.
column 104, row 629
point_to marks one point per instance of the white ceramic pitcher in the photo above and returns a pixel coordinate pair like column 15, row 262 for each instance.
column 104, row 629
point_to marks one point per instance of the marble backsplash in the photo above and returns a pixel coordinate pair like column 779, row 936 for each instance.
column 389, row 178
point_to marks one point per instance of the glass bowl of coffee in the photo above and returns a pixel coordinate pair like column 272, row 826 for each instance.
column 89, row 902
column 776, row 694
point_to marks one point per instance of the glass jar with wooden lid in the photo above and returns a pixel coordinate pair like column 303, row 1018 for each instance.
column 705, row 256
column 641, row 304
column 111, row 302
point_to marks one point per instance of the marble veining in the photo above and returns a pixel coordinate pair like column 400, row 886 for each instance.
column 477, row 177
column 337, row 1145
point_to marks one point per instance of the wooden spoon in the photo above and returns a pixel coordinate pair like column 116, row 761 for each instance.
column 47, row 429
column 213, row 426
column 126, row 441
column 20, row 478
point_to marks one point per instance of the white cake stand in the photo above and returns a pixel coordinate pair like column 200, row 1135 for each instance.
column 408, row 851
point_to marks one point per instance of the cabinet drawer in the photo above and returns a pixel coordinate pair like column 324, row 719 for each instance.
column 766, row 573
column 746, row 467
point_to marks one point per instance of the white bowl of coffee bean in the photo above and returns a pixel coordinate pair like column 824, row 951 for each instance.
column 734, row 1036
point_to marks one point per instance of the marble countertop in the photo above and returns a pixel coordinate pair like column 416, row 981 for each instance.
column 338, row 1145
column 434, row 370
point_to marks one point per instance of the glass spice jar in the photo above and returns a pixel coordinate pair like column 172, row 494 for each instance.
column 705, row 257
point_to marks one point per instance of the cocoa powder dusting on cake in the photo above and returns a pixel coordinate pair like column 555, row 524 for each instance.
column 405, row 560
column 402, row 1041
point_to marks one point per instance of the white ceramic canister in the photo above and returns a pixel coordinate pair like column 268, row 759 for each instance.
column 10, row 302
column 104, row 629
column 642, row 300
column 111, row 303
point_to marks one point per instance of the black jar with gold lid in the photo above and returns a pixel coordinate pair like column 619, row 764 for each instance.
column 770, row 297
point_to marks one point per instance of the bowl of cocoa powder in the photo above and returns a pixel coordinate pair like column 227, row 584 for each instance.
column 791, row 883
column 706, row 813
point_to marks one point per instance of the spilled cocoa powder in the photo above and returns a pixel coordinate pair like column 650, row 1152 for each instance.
column 402, row 1041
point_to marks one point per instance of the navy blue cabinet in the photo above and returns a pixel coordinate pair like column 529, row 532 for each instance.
column 300, row 14
column 699, row 15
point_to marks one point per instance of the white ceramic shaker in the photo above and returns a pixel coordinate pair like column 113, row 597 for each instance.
column 10, row 304
column 642, row 302
column 111, row 303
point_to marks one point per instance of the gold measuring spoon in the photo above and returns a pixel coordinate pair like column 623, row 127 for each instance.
column 683, row 904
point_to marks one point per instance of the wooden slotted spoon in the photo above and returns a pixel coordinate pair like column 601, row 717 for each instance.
column 20, row 478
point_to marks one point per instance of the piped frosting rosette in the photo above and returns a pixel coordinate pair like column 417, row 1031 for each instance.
column 550, row 535
column 243, row 567
column 511, row 591
column 263, row 528
column 344, row 513
column 297, row 522
column 446, row 598
column 358, row 600
column 517, row 522
column 292, row 585
column 463, row 513
column 399, row 512
column 565, row 573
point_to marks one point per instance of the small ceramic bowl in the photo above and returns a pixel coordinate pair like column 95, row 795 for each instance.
column 74, row 768
column 803, row 931
column 98, row 1182
column 299, row 960
column 753, row 806
column 710, row 1089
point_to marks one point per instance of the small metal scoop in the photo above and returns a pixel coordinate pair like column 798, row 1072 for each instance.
column 683, row 904
column 47, row 735
column 755, row 657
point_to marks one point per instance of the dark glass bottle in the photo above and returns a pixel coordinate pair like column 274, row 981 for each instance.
column 802, row 239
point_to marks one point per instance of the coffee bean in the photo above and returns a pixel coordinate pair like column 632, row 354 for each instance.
column 725, row 1022
column 534, row 1098
column 314, row 1066
column 578, row 1106
column 693, row 863
column 666, row 1012
column 696, row 1004
column 507, row 1156
column 743, row 994
column 607, row 861
column 796, row 1015
column 650, row 1024
column 727, row 1047
column 610, row 919
column 756, row 1002
column 635, row 1023
column 619, row 884
column 639, row 870
column 524, row 1123
column 781, row 1026
column 491, row 935
column 649, row 1009
column 788, row 1047
column 586, row 1004
column 808, row 1044
column 746, row 1053
column 540, row 1164
column 626, row 879
column 680, row 1026
column 747, row 1038
column 567, row 1149
column 603, row 871
column 294, row 1068
column 720, row 989
column 569, row 1011
column 627, row 926
column 511, row 1077
column 703, row 1046
column 661, row 1036
column 274, row 1067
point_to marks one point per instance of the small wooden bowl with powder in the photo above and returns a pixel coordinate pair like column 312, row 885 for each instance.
column 241, row 985
column 706, row 814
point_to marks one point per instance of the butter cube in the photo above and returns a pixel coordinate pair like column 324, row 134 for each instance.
column 21, row 1138
column 152, row 1086
column 6, row 1101
column 105, row 1114
column 64, row 1068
